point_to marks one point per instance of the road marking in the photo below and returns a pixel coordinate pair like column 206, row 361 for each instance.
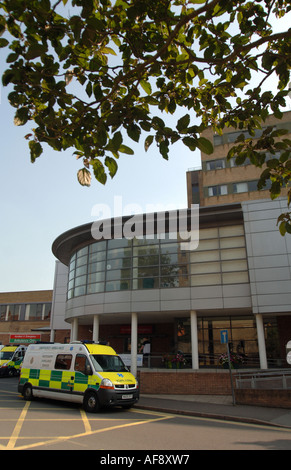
column 60, row 439
column 18, row 426
column 85, row 419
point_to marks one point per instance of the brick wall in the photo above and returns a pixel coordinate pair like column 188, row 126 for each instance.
column 179, row 382
column 269, row 398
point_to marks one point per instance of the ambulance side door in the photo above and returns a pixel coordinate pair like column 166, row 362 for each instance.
column 82, row 369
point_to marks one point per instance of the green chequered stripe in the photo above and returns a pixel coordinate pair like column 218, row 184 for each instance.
column 58, row 380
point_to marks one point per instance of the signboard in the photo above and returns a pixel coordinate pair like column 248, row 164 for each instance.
column 141, row 329
column 127, row 359
column 224, row 336
column 24, row 338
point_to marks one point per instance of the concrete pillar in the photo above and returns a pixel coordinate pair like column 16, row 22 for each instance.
column 52, row 336
column 194, row 339
column 74, row 330
column 133, row 368
column 261, row 342
column 95, row 334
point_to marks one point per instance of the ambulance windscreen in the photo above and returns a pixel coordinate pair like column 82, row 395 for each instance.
column 103, row 363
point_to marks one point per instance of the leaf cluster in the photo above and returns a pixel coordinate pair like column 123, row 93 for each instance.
column 92, row 74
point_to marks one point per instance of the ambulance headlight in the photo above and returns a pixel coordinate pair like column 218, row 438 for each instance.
column 106, row 383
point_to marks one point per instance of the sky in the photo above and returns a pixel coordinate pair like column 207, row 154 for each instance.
column 40, row 201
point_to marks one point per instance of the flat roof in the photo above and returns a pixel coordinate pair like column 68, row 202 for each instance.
column 209, row 216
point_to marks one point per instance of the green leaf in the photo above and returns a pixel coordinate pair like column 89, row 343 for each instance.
column 190, row 142
column 148, row 142
column 133, row 132
column 35, row 150
column 125, row 149
column 146, row 86
column 205, row 145
column 183, row 123
column 35, row 50
column 99, row 172
column 282, row 228
column 111, row 165
column 3, row 42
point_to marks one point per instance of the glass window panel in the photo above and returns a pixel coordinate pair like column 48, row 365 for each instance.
column 82, row 252
column 170, row 258
column 81, row 261
column 118, row 274
column 233, row 253
column 98, row 256
column 149, row 260
column 235, row 278
column 205, row 280
column 118, row 243
column 232, row 230
column 96, row 277
column 79, row 291
column 70, row 294
column 145, row 250
column 205, row 268
column 100, row 266
column 95, row 288
column 146, row 272
column 71, row 275
column 47, row 311
column 124, row 284
column 3, row 309
column 82, row 270
column 79, row 281
column 240, row 187
column 118, row 263
column 99, row 246
column 236, row 265
column 232, row 242
column 208, row 245
column 119, row 253
column 197, row 257
column 208, row 233
column 72, row 265
column 35, row 312
column 146, row 283
column 170, row 248
column 71, row 284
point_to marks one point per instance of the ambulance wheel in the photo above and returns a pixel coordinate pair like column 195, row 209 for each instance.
column 27, row 392
column 90, row 402
column 11, row 372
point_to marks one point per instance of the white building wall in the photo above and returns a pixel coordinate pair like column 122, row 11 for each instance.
column 269, row 256
column 59, row 298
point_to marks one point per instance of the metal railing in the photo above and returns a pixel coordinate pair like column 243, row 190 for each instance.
column 206, row 361
column 264, row 379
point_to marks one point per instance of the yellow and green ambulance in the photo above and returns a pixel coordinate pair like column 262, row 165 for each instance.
column 11, row 358
column 88, row 373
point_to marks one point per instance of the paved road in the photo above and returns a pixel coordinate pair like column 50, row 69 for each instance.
column 51, row 425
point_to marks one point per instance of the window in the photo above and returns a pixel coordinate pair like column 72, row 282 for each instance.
column 215, row 164
column 240, row 187
column 217, row 190
column 81, row 363
column 63, row 361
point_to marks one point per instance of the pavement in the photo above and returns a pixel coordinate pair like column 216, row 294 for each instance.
column 215, row 407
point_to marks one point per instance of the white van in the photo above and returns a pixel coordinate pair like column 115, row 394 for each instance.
column 90, row 374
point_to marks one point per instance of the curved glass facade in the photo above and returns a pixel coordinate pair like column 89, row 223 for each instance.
column 157, row 263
